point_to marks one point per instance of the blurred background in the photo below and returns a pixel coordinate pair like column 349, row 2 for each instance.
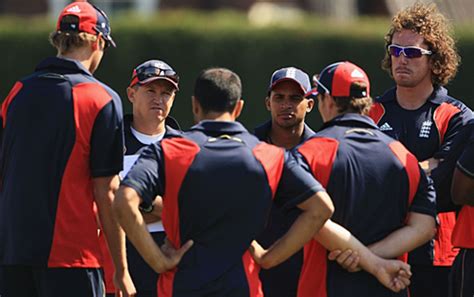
column 251, row 37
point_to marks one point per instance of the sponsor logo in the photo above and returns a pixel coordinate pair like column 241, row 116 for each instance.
column 357, row 73
column 386, row 127
column 291, row 72
column 425, row 129
column 74, row 9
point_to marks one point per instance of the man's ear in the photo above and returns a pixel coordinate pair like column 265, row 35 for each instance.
column 239, row 105
column 310, row 104
column 131, row 94
column 267, row 102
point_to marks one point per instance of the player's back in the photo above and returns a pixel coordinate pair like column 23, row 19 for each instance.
column 50, row 151
column 218, row 194
column 371, row 179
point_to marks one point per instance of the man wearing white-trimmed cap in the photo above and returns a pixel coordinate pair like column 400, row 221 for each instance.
column 152, row 91
column 288, row 107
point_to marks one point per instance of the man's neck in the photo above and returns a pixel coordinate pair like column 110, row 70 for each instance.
column 286, row 137
column 83, row 56
column 148, row 128
column 413, row 98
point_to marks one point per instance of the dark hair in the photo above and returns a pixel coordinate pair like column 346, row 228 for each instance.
column 218, row 89
column 426, row 20
column 352, row 104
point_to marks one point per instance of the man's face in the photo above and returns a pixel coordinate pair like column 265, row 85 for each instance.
column 407, row 72
column 287, row 104
column 152, row 101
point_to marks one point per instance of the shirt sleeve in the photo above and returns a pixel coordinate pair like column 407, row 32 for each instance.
column 107, row 141
column 146, row 176
column 297, row 184
column 450, row 150
column 425, row 198
column 466, row 162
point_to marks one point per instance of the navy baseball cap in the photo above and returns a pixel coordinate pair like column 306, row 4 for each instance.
column 292, row 74
column 87, row 18
column 336, row 79
column 152, row 70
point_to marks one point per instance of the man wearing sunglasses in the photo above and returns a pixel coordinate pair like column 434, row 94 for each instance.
column 288, row 107
column 62, row 150
column 421, row 58
column 151, row 92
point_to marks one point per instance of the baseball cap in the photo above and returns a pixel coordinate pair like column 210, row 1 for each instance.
column 152, row 70
column 292, row 74
column 337, row 78
column 87, row 18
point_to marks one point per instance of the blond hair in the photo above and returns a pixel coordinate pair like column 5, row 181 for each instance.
column 65, row 42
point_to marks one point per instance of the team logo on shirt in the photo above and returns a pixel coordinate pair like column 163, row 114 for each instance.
column 386, row 127
column 425, row 129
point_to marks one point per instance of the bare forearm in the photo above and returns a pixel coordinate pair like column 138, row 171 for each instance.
column 104, row 194
column 406, row 238
column 131, row 220
column 302, row 231
column 335, row 237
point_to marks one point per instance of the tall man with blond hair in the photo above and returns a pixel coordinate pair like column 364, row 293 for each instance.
column 62, row 148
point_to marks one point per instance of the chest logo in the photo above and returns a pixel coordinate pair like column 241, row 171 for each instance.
column 425, row 129
column 386, row 127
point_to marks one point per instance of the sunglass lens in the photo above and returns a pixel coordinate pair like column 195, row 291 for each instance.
column 395, row 51
column 412, row 52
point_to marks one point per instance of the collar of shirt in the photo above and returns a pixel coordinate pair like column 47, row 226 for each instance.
column 438, row 96
column 219, row 126
column 351, row 119
column 62, row 63
column 262, row 131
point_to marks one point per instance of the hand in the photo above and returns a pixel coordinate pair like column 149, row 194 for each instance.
column 123, row 283
column 393, row 274
column 258, row 253
column 173, row 256
column 349, row 260
column 429, row 165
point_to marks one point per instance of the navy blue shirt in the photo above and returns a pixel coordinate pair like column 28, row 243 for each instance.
column 466, row 162
column 217, row 183
column 374, row 182
column 435, row 130
column 61, row 128
column 281, row 280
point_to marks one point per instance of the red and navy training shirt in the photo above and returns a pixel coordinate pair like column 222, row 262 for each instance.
column 217, row 182
column 374, row 182
column 436, row 129
column 61, row 128
column 463, row 234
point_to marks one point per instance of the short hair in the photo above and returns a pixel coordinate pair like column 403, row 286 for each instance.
column 218, row 89
column 426, row 20
column 352, row 104
column 67, row 41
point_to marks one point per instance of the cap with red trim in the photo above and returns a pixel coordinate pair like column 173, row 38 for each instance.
column 85, row 17
column 152, row 70
column 337, row 79
column 292, row 74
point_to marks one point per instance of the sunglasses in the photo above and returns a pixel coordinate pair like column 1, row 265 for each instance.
column 408, row 51
column 316, row 82
column 144, row 73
